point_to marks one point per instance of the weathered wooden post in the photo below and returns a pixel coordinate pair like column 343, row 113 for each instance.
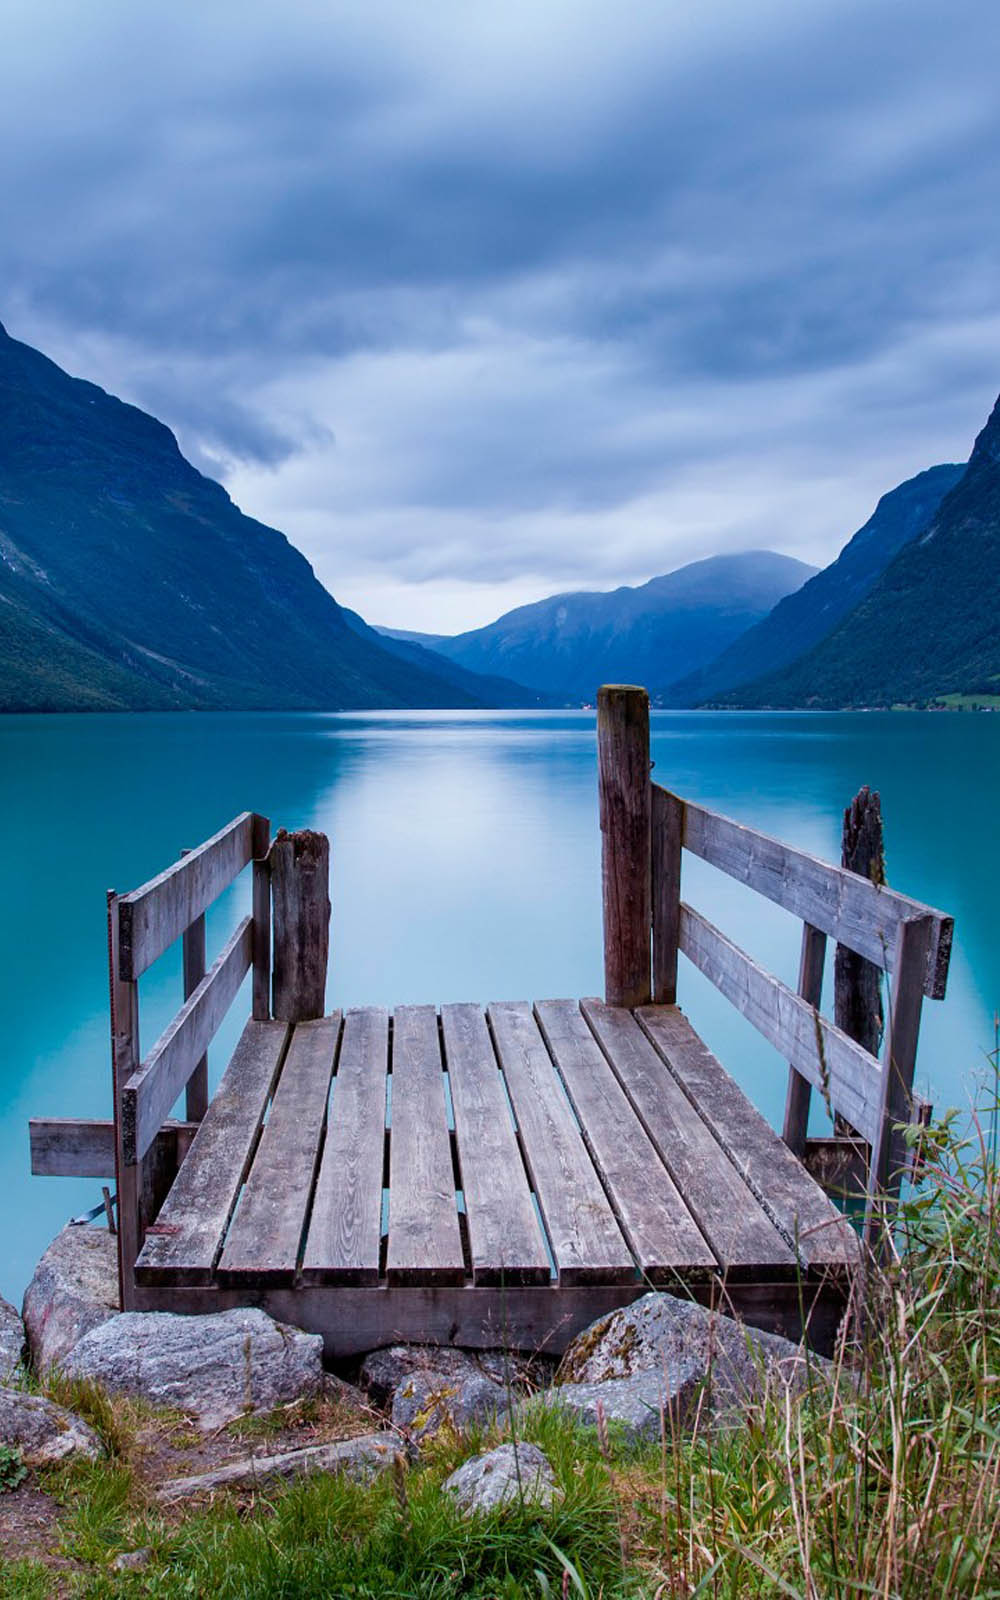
column 300, row 893
column 193, row 945
column 890, row 1155
column 667, row 841
column 261, row 919
column 857, row 997
column 625, row 794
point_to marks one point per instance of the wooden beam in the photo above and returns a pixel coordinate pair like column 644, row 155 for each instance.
column 150, row 1092
column 625, row 810
column 300, row 891
column 667, row 830
column 84, row 1147
column 851, row 909
column 196, row 1097
column 844, row 1073
column 261, row 920
column 154, row 915
column 890, row 1155
column 811, row 991
column 124, row 1061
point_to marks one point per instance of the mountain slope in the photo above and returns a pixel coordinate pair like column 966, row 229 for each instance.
column 570, row 643
column 802, row 619
column 129, row 581
column 409, row 647
column 930, row 626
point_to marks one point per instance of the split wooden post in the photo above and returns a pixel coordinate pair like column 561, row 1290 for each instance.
column 799, row 1094
column 300, row 880
column 667, row 840
column 857, row 995
column 193, row 942
column 625, row 795
column 890, row 1156
column 261, row 919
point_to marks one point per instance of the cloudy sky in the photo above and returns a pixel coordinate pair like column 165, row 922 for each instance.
column 478, row 301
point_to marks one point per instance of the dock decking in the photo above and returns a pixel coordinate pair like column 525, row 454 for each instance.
column 560, row 1145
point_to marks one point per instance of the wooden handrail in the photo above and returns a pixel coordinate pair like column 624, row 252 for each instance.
column 862, row 915
column 151, row 917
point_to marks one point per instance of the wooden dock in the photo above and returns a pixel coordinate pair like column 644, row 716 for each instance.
column 505, row 1174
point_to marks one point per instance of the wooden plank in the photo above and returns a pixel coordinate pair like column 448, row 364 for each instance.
column 261, row 919
column 266, row 1233
column 193, row 942
column 84, row 1147
column 124, row 997
column 667, row 830
column 890, row 1156
column 586, row 1240
column 346, row 1224
column 803, row 1215
column 300, row 896
column 504, row 1234
column 625, row 801
column 653, row 1215
column 863, row 915
column 187, row 1240
column 742, row 1236
column 156, row 914
column 847, row 1076
column 425, row 1245
column 799, row 1092
column 151, row 1091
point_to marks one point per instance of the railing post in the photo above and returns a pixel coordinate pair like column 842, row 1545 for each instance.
column 300, row 891
column 799, row 1092
column 124, row 1060
column 889, row 1152
column 625, row 807
column 261, row 919
column 667, row 840
column 193, row 944
column 857, row 996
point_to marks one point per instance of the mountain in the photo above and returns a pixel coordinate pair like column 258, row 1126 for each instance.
column 128, row 581
column 407, row 646
column 802, row 619
column 570, row 643
column 930, row 625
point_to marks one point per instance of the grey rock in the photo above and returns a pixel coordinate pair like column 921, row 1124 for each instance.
column 44, row 1432
column 363, row 1458
column 11, row 1341
column 430, row 1399
column 215, row 1367
column 661, row 1333
column 501, row 1477
column 641, row 1404
column 132, row 1560
column 74, row 1289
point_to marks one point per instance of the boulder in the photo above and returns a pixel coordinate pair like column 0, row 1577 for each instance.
column 74, row 1289
column 11, row 1341
column 429, row 1387
column 662, row 1334
column 501, row 1477
column 215, row 1367
column 44, row 1432
column 361, row 1458
column 641, row 1404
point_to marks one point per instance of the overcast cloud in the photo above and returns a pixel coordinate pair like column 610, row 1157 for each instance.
column 477, row 302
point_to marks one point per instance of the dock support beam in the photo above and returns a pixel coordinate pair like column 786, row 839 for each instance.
column 300, row 892
column 625, row 807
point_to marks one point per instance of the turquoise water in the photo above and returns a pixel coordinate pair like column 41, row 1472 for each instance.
column 466, row 865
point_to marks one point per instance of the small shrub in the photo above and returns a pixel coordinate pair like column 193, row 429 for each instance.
column 12, row 1469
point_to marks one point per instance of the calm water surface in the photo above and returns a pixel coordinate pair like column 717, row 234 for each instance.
column 466, row 865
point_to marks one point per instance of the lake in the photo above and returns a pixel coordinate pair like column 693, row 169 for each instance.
column 465, row 866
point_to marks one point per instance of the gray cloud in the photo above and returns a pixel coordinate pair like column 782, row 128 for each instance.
column 475, row 302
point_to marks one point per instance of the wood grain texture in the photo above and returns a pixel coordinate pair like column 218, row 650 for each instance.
column 425, row 1245
column 586, row 1240
column 823, row 1239
column 346, row 1224
column 651, row 1211
column 857, row 986
column 84, row 1147
column 261, row 919
column 266, row 1233
column 154, row 915
column 667, row 833
column 799, row 1092
column 193, row 941
column 196, row 1213
column 833, row 1063
column 846, row 907
column 742, row 1237
column 625, row 809
column 300, row 898
column 150, row 1093
column 889, row 1155
column 124, row 1005
column 504, row 1234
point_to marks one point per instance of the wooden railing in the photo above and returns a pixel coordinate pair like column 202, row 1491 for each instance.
column 646, row 829
column 141, row 926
